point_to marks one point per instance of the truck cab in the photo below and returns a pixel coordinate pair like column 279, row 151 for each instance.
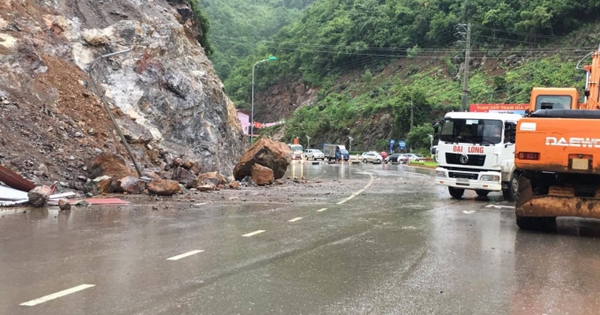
column 335, row 152
column 476, row 151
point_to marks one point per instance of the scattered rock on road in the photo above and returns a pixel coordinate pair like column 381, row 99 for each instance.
column 164, row 187
column 100, row 185
column 109, row 164
column 262, row 175
column 38, row 197
column 131, row 185
column 63, row 204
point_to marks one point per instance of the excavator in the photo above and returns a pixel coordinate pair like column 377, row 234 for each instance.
column 557, row 153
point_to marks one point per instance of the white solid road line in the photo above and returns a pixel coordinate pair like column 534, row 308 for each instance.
column 253, row 233
column 178, row 257
column 469, row 212
column 322, row 209
column 500, row 207
column 358, row 192
column 57, row 295
column 295, row 219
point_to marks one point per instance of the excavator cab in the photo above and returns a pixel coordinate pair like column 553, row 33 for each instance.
column 553, row 98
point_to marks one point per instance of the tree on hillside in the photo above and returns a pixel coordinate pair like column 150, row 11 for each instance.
column 418, row 137
column 239, row 27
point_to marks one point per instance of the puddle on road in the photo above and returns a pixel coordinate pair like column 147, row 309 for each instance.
column 321, row 170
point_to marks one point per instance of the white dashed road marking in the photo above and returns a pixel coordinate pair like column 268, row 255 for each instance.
column 358, row 192
column 322, row 209
column 58, row 295
column 500, row 207
column 178, row 257
column 295, row 219
column 253, row 233
column 469, row 212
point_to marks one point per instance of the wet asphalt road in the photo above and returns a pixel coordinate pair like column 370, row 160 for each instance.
column 400, row 245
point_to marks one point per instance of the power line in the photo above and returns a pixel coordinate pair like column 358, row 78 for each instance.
column 519, row 33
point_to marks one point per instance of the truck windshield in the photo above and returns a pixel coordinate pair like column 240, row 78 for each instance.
column 296, row 147
column 483, row 131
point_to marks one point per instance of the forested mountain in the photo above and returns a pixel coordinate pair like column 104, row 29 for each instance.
column 372, row 58
column 238, row 25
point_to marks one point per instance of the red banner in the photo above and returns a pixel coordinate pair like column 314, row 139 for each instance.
column 497, row 108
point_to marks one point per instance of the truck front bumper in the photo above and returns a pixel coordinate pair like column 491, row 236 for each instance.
column 485, row 180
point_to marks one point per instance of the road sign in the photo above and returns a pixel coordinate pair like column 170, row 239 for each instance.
column 401, row 144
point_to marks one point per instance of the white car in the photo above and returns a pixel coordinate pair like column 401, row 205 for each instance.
column 413, row 157
column 372, row 157
column 314, row 154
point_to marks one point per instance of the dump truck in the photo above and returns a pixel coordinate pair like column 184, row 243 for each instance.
column 476, row 151
column 557, row 154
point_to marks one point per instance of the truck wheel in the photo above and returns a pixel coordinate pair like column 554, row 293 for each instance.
column 482, row 193
column 547, row 224
column 510, row 193
column 456, row 193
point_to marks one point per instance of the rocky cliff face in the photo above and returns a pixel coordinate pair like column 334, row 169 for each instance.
column 282, row 99
column 164, row 92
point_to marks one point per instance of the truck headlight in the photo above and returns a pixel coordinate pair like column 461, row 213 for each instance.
column 490, row 178
column 440, row 174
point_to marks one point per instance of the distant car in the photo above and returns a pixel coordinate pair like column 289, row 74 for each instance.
column 414, row 158
column 396, row 158
column 372, row 157
column 314, row 154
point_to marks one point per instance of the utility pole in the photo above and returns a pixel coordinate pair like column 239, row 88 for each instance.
column 271, row 58
column 350, row 148
column 412, row 114
column 107, row 107
column 465, row 92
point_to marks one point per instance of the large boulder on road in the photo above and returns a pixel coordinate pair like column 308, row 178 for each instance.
column 262, row 175
column 265, row 152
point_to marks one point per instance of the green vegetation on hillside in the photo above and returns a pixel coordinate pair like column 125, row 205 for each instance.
column 334, row 36
column 338, row 115
column 372, row 58
column 238, row 25
column 202, row 27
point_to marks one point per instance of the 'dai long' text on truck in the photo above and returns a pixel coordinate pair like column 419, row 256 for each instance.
column 476, row 151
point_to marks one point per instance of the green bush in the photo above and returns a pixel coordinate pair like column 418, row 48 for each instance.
column 202, row 27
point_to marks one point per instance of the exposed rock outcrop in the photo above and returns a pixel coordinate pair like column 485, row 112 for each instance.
column 164, row 92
